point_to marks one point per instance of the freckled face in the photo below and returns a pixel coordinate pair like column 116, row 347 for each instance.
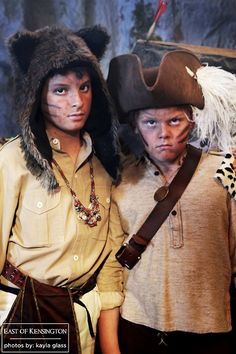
column 66, row 102
column 165, row 132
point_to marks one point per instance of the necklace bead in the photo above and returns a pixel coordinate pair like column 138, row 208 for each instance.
column 89, row 215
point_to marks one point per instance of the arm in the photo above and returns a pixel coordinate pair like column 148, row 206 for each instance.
column 110, row 284
column 108, row 329
column 9, row 189
column 110, row 278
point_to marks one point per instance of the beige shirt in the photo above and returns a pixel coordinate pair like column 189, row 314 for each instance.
column 41, row 233
column 182, row 280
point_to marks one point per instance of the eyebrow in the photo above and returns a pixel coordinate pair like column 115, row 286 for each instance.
column 59, row 83
column 177, row 116
column 88, row 81
column 146, row 115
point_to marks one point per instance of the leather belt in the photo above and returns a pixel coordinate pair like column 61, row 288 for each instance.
column 13, row 274
column 16, row 277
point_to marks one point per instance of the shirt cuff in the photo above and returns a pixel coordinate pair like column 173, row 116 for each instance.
column 111, row 299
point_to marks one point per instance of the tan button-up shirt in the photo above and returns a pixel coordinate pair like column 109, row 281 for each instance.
column 182, row 280
column 41, row 233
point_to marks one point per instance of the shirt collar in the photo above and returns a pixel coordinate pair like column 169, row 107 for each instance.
column 85, row 150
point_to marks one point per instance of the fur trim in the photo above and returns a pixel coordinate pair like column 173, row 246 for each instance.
column 96, row 39
column 34, row 55
column 227, row 176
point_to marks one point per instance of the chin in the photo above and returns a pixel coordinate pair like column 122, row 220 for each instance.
column 76, row 127
column 165, row 155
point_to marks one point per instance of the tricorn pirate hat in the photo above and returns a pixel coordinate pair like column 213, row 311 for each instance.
column 134, row 87
column 180, row 79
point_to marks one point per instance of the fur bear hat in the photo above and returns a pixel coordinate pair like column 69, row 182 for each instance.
column 180, row 79
column 34, row 56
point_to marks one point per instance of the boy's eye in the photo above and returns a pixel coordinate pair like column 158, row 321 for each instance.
column 149, row 122
column 60, row 90
column 175, row 121
column 85, row 87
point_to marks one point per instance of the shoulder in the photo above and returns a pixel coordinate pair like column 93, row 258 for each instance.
column 132, row 167
column 213, row 156
column 134, row 173
column 3, row 141
column 211, row 161
column 10, row 151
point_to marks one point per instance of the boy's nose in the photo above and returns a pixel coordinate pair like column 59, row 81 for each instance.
column 163, row 131
column 76, row 101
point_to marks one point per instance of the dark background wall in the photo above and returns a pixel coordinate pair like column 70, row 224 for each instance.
column 203, row 22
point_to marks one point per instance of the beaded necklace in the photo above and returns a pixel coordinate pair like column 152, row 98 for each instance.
column 90, row 215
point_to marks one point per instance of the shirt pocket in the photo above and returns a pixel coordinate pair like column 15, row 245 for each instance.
column 40, row 219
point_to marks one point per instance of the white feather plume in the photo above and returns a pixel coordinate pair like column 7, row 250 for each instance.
column 218, row 117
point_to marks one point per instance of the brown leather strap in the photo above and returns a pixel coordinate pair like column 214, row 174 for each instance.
column 16, row 277
column 176, row 189
column 130, row 253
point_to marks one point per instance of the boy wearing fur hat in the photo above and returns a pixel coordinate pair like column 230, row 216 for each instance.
column 59, row 229
column 177, row 289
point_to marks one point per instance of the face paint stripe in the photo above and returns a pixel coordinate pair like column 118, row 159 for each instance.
column 183, row 135
column 50, row 105
column 48, row 115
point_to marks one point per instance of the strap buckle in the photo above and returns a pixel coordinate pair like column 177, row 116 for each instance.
column 128, row 256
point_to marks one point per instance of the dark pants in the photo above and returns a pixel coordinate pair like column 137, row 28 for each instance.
column 138, row 339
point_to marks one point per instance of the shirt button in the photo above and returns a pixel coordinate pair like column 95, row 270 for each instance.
column 108, row 200
column 76, row 257
column 174, row 212
column 39, row 205
column 55, row 141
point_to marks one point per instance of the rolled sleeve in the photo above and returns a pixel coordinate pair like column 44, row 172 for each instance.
column 111, row 299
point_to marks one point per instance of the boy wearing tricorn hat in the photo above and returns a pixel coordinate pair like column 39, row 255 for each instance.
column 177, row 291
column 57, row 225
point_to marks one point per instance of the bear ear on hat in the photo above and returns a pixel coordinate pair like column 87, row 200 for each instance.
column 96, row 38
column 22, row 46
